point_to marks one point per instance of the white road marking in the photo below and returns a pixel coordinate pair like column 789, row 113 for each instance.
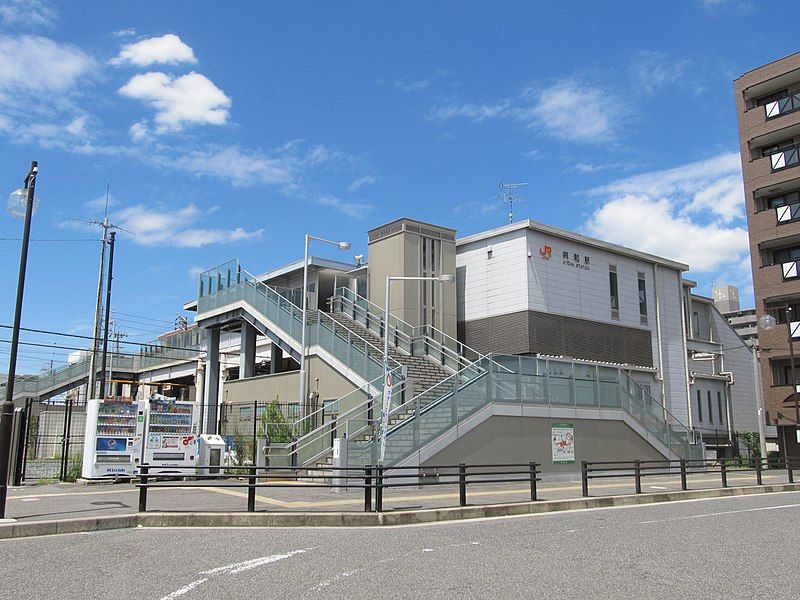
column 185, row 589
column 339, row 576
column 658, row 487
column 29, row 499
column 232, row 569
column 718, row 514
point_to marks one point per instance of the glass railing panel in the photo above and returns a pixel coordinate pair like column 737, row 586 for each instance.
column 560, row 383
column 472, row 397
column 608, row 384
column 585, row 385
column 785, row 158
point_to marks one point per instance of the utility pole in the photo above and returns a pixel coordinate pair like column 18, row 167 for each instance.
column 116, row 334
column 98, row 308
column 102, row 386
column 7, row 415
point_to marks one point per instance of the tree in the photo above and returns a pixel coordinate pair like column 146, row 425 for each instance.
column 278, row 430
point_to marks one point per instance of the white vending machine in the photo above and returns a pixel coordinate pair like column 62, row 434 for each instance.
column 171, row 434
column 113, row 443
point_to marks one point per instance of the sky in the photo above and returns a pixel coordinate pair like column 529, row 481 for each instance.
column 232, row 130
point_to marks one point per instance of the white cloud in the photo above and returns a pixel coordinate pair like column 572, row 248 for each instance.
column 164, row 227
column 27, row 13
column 241, row 167
column 652, row 71
column 572, row 111
column 713, row 184
column 99, row 203
column 124, row 32
column 405, row 85
column 194, row 272
column 692, row 213
column 189, row 99
column 361, row 182
column 350, row 209
column 168, row 49
column 655, row 226
column 40, row 65
column 569, row 110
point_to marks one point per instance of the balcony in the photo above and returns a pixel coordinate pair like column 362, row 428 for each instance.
column 783, row 159
column 783, row 106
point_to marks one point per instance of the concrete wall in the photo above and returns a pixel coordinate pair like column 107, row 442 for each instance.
column 400, row 254
column 524, row 439
column 332, row 385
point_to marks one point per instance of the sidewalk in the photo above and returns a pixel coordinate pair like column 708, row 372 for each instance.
column 69, row 500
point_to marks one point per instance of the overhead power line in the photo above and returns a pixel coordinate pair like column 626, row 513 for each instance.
column 86, row 337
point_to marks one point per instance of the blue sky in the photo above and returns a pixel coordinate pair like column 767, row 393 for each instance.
column 231, row 130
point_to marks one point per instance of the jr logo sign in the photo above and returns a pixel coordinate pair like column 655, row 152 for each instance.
column 546, row 252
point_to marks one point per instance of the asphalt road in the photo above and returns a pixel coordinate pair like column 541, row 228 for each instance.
column 743, row 547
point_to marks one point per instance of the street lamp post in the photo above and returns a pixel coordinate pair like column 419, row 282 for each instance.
column 7, row 415
column 387, row 393
column 341, row 246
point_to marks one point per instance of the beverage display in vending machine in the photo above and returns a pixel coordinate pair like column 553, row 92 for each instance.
column 113, row 443
column 171, row 434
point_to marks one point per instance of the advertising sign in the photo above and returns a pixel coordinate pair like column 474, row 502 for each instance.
column 563, row 436
column 388, row 386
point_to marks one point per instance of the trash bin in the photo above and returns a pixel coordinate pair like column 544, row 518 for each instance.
column 211, row 453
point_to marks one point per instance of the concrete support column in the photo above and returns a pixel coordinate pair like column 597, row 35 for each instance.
column 275, row 358
column 211, row 395
column 247, row 351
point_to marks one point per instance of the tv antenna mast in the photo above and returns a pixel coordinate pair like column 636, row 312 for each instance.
column 507, row 195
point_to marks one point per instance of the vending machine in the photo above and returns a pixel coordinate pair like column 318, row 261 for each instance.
column 171, row 435
column 113, row 442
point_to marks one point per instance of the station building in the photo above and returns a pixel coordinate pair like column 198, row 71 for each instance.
column 573, row 315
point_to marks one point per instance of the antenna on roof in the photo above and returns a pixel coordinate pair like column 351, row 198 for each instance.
column 507, row 195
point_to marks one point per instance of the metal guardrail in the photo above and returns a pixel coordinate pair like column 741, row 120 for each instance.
column 639, row 469
column 371, row 479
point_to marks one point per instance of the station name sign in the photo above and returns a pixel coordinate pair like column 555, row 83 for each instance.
column 569, row 259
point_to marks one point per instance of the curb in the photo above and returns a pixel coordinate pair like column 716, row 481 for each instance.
column 361, row 519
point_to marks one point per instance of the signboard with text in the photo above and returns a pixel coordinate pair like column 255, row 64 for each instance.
column 563, row 438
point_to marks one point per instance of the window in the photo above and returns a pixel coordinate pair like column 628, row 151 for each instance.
column 772, row 97
column 784, row 145
column 780, row 313
column 695, row 324
column 785, row 255
column 719, row 406
column 642, row 296
column 710, row 411
column 699, row 406
column 614, row 287
column 783, row 199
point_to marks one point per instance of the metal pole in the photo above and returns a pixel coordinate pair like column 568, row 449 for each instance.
column 7, row 415
column 462, row 484
column 762, row 434
column 791, row 359
column 98, row 315
column 102, row 386
column 303, row 334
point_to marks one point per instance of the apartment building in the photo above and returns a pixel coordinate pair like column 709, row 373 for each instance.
column 768, row 111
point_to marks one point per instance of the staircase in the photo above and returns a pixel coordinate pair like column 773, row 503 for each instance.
column 420, row 369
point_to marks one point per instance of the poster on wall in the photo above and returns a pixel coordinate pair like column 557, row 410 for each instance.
column 563, row 436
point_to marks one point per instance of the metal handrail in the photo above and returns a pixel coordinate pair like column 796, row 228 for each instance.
column 417, row 331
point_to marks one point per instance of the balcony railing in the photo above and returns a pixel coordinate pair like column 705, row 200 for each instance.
column 783, row 159
column 788, row 212
column 791, row 269
column 782, row 106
